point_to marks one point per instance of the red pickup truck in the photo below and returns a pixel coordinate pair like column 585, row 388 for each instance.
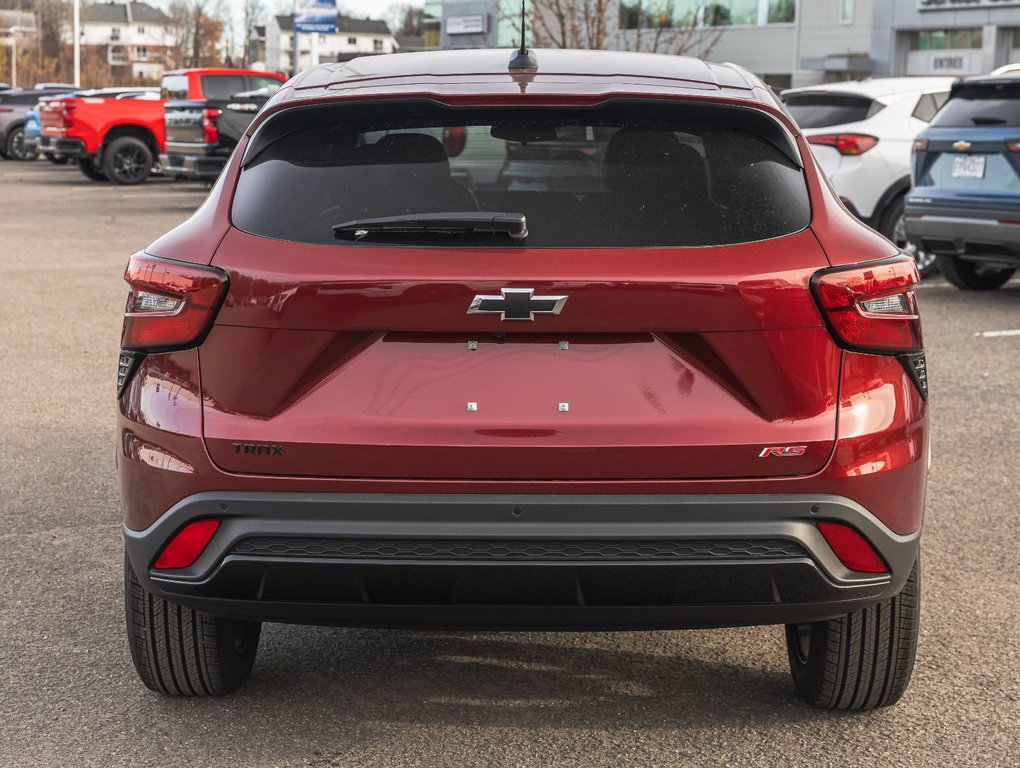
column 121, row 138
column 115, row 137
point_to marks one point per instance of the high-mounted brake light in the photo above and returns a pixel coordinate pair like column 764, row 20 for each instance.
column 171, row 304
column 845, row 143
column 852, row 549
column 187, row 545
column 871, row 307
column 210, row 130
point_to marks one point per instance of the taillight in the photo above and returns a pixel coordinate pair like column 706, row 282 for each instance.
column 1013, row 145
column 187, row 545
column 852, row 549
column 171, row 304
column 67, row 113
column 454, row 139
column 871, row 307
column 210, row 131
column 919, row 145
column 845, row 143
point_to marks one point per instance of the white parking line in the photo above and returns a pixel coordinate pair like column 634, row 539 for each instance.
column 996, row 334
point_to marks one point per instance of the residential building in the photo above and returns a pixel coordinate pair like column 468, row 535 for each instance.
column 945, row 37
column 133, row 37
column 353, row 38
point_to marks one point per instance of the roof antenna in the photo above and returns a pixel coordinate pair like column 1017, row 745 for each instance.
column 523, row 58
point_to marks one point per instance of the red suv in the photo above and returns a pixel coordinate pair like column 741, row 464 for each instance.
column 585, row 344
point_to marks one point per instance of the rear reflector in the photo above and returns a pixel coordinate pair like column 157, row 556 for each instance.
column 852, row 549
column 845, row 143
column 871, row 307
column 185, row 548
column 171, row 304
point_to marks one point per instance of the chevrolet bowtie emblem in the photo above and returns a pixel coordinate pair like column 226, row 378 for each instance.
column 961, row 146
column 517, row 304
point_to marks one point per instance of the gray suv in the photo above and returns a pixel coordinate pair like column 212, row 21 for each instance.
column 14, row 106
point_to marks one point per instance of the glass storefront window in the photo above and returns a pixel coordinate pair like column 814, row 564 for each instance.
column 945, row 39
column 846, row 12
column 723, row 13
column 707, row 13
column 782, row 11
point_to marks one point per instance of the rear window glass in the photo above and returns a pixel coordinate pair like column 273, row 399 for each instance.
column 821, row 110
column 20, row 99
column 596, row 177
column 175, row 87
column 981, row 105
column 223, row 86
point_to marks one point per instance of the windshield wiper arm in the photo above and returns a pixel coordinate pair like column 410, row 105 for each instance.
column 513, row 225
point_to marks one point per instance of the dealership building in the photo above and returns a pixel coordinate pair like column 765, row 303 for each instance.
column 944, row 37
column 786, row 42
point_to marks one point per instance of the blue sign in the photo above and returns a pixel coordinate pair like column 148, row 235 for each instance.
column 315, row 16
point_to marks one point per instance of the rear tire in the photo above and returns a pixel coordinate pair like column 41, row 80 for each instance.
column 862, row 660
column 127, row 160
column 16, row 145
column 972, row 275
column 178, row 651
column 893, row 227
column 92, row 173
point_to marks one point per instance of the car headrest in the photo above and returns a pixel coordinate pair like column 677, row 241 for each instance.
column 643, row 158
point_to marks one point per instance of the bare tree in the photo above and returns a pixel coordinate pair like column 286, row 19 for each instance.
column 654, row 26
column 253, row 11
column 199, row 32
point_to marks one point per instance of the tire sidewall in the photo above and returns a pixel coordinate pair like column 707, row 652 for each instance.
column 122, row 145
column 890, row 218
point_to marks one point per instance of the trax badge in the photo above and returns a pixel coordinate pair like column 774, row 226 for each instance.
column 783, row 451
column 517, row 304
column 258, row 449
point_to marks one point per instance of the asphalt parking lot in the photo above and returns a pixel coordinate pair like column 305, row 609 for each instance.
column 331, row 697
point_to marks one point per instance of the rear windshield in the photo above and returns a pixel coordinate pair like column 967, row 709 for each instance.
column 612, row 176
column 174, row 87
column 821, row 110
column 990, row 104
column 223, row 86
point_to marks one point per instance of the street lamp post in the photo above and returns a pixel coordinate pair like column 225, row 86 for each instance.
column 77, row 43
column 13, row 32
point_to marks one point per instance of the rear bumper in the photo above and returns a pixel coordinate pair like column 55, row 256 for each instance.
column 521, row 561
column 978, row 236
column 202, row 167
column 67, row 147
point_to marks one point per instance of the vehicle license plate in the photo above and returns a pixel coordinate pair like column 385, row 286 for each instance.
column 969, row 167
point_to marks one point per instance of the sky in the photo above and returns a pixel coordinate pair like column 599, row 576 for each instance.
column 373, row 8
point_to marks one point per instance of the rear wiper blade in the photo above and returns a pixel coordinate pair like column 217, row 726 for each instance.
column 513, row 225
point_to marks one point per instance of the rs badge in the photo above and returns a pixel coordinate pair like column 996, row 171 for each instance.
column 782, row 451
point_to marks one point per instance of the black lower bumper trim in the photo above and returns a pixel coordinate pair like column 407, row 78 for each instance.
column 67, row 147
column 554, row 562
column 198, row 167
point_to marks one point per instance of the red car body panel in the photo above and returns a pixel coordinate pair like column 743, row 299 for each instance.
column 346, row 362
column 94, row 117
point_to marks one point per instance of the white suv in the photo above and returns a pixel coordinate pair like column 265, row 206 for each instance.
column 861, row 133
